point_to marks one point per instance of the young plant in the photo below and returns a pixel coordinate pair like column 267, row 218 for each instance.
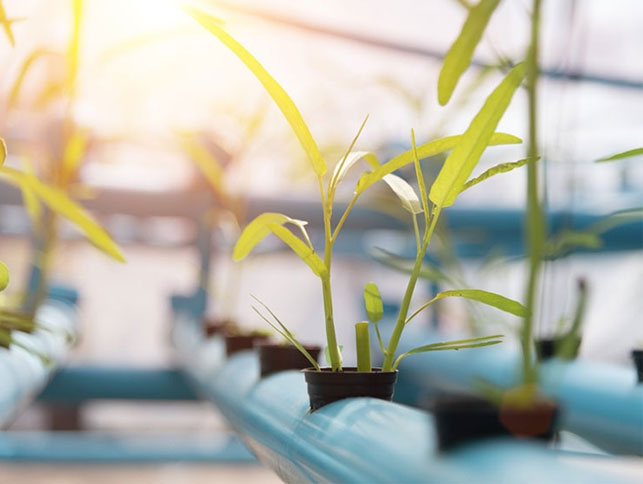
column 467, row 149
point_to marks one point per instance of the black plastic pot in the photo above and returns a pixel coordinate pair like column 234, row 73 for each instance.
column 547, row 348
column 637, row 356
column 239, row 342
column 327, row 386
column 461, row 419
column 274, row 358
column 212, row 327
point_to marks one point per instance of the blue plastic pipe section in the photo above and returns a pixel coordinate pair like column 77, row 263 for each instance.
column 353, row 440
column 601, row 403
column 22, row 373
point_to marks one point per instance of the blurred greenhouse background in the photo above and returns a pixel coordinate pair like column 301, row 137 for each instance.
column 146, row 73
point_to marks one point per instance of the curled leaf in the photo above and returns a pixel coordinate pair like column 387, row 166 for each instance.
column 501, row 168
column 404, row 192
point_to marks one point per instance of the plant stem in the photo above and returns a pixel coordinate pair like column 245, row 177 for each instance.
column 406, row 302
column 535, row 220
column 331, row 338
column 363, row 345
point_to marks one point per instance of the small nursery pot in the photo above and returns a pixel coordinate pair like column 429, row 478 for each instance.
column 466, row 418
column 327, row 386
column 274, row 358
column 239, row 342
column 212, row 327
column 637, row 356
column 546, row 348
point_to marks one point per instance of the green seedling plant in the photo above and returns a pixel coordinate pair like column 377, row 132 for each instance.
column 453, row 179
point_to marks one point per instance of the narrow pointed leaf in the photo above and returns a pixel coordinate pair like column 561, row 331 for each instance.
column 495, row 170
column 373, row 302
column 3, row 151
column 4, row 276
column 622, row 155
column 6, row 24
column 206, row 161
column 353, row 157
column 29, row 198
column 428, row 271
column 459, row 55
column 616, row 219
column 425, row 150
column 258, row 229
column 58, row 201
column 489, row 298
column 29, row 61
column 404, row 192
column 75, row 150
column 571, row 239
column 304, row 251
column 460, row 163
column 277, row 93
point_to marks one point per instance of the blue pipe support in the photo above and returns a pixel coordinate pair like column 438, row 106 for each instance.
column 353, row 440
column 22, row 373
column 600, row 402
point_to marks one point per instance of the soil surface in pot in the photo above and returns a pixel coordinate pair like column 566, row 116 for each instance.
column 461, row 419
column 327, row 386
column 274, row 358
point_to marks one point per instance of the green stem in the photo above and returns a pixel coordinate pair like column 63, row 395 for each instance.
column 389, row 358
column 363, row 346
column 535, row 220
column 331, row 338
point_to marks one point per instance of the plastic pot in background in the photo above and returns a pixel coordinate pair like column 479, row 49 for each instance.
column 274, row 357
column 213, row 327
column 461, row 419
column 239, row 342
column 637, row 356
column 547, row 348
column 327, row 386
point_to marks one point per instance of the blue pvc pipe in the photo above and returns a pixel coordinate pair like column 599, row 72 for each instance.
column 353, row 440
column 22, row 373
column 600, row 402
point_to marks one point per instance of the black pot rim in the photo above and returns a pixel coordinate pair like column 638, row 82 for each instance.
column 349, row 370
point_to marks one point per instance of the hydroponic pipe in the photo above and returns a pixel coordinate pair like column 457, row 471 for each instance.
column 353, row 440
column 22, row 373
column 600, row 402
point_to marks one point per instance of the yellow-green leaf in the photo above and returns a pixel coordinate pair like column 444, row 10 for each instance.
column 353, row 157
column 405, row 192
column 305, row 252
column 373, row 302
column 459, row 55
column 58, row 201
column 14, row 92
column 489, row 298
column 75, row 150
column 622, row 155
column 277, row 93
column 571, row 239
column 32, row 205
column 3, row 151
column 500, row 168
column 6, row 24
column 464, row 157
column 425, row 150
column 4, row 276
column 206, row 161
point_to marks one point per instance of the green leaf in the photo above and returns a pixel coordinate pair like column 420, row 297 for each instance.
column 485, row 297
column 30, row 201
column 428, row 271
column 616, row 219
column 495, row 170
column 452, row 345
column 205, row 160
column 622, row 155
column 570, row 239
column 373, row 302
column 353, row 157
column 60, row 203
column 29, row 61
column 404, row 191
column 269, row 222
column 425, row 150
column 277, row 93
column 3, row 151
column 464, row 157
column 4, row 276
column 459, row 55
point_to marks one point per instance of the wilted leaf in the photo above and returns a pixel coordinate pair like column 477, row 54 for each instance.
column 464, row 157
column 373, row 302
column 277, row 93
column 459, row 55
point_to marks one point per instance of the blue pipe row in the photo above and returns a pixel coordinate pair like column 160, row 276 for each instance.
column 600, row 402
column 24, row 374
column 353, row 440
